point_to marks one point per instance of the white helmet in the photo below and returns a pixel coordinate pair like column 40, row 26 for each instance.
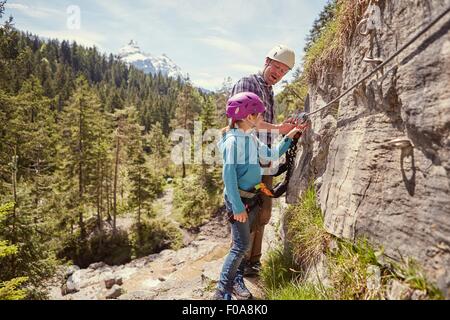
column 282, row 54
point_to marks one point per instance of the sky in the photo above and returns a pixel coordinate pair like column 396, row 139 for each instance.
column 208, row 39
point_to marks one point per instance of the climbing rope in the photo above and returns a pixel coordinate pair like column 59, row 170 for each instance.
column 417, row 36
column 300, row 119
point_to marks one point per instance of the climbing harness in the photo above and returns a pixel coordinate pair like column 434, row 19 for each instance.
column 260, row 188
column 252, row 201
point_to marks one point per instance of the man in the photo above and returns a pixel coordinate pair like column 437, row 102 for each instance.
column 279, row 61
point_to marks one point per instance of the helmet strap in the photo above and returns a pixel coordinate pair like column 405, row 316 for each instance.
column 252, row 123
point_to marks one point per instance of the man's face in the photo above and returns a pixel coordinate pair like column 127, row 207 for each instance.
column 275, row 71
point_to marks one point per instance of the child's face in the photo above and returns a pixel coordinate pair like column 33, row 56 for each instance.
column 255, row 119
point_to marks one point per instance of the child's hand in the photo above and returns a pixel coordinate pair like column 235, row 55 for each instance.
column 241, row 217
column 293, row 132
column 285, row 127
column 298, row 129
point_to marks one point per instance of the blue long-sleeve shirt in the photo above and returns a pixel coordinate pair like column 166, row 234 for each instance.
column 241, row 169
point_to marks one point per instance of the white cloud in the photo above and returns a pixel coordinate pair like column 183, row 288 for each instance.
column 116, row 9
column 88, row 39
column 209, row 80
column 210, row 83
column 219, row 30
column 203, row 74
column 16, row 6
column 230, row 46
column 220, row 12
column 34, row 11
column 246, row 68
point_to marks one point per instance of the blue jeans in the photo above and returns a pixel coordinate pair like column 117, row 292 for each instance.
column 233, row 267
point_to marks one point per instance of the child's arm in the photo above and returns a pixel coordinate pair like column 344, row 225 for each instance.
column 274, row 153
column 229, row 176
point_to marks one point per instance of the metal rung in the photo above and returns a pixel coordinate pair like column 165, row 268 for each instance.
column 373, row 60
column 401, row 143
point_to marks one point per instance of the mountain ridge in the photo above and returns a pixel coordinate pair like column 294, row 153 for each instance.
column 132, row 54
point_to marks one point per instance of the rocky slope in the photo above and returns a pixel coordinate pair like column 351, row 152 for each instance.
column 380, row 158
column 189, row 273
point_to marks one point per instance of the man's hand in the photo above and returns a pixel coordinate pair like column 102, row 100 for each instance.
column 241, row 217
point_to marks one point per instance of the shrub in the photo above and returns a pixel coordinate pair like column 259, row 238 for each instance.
column 154, row 236
column 25, row 261
column 13, row 289
column 195, row 201
column 111, row 248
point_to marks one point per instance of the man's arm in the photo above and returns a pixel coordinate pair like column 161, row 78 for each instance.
column 248, row 84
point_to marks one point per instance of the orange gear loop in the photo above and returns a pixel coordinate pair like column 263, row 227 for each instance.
column 264, row 189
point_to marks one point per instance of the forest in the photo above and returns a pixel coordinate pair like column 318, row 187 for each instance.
column 85, row 140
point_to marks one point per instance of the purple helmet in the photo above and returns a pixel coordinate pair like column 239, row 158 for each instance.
column 242, row 104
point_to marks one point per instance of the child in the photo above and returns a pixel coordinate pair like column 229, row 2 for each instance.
column 241, row 151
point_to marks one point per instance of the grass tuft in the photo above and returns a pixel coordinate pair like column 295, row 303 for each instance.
column 305, row 230
column 354, row 270
column 328, row 50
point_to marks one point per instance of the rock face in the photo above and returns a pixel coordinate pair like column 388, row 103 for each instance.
column 397, row 193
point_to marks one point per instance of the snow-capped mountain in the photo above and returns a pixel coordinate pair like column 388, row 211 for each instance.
column 167, row 67
column 132, row 54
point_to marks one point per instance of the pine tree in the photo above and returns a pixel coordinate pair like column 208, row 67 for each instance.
column 146, row 184
column 83, row 145
column 61, row 166
column 9, row 288
column 37, row 129
column 127, row 143
column 188, row 108
column 208, row 116
column 9, row 38
column 319, row 24
column 158, row 142
column 7, row 117
column 221, row 98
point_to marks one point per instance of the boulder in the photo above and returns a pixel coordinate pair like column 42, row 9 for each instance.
column 110, row 282
column 115, row 292
column 70, row 270
column 96, row 265
column 68, row 288
column 419, row 295
column 398, row 291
